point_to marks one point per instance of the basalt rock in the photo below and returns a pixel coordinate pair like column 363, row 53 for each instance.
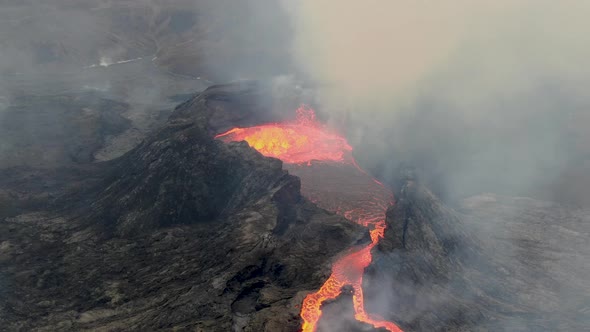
column 491, row 264
column 181, row 233
column 187, row 233
column 181, row 175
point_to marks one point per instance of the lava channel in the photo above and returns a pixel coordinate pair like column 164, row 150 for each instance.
column 332, row 179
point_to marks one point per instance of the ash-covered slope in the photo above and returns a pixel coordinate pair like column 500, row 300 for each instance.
column 181, row 233
column 500, row 264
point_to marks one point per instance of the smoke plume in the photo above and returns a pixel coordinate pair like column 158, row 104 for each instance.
column 486, row 96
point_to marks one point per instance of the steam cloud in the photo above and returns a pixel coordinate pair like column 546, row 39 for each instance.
column 483, row 96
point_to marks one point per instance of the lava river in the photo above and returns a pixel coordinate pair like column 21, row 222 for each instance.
column 332, row 179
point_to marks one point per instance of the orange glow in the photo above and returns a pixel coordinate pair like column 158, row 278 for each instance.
column 295, row 142
column 352, row 194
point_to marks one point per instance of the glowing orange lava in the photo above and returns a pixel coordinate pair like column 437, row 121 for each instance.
column 337, row 184
column 296, row 142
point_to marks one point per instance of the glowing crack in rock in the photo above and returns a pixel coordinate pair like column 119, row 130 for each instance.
column 332, row 179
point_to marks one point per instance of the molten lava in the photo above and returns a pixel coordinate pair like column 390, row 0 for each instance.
column 336, row 183
column 298, row 142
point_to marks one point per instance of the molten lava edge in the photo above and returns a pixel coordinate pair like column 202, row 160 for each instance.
column 299, row 143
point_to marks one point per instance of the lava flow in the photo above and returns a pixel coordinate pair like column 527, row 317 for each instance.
column 332, row 179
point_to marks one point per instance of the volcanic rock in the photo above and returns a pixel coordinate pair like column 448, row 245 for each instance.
column 187, row 233
column 181, row 233
column 495, row 264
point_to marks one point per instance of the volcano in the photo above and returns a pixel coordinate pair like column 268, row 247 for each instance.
column 182, row 231
column 274, row 226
